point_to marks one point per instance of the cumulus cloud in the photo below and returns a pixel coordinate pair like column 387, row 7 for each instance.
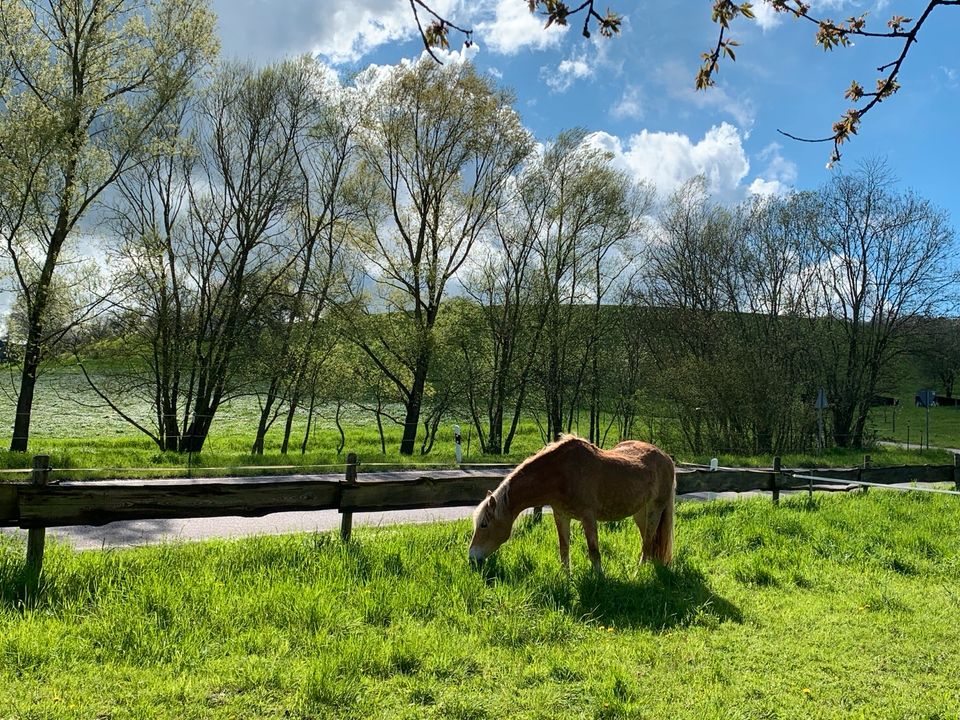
column 340, row 32
column 778, row 175
column 670, row 159
column 630, row 104
column 514, row 28
column 767, row 17
column 566, row 73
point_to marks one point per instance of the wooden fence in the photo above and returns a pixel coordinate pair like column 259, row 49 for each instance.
column 41, row 503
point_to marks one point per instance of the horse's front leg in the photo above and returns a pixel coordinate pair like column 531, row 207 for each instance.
column 593, row 543
column 563, row 535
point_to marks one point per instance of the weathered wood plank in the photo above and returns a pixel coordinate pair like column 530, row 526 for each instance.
column 691, row 481
column 884, row 475
column 8, row 504
column 425, row 492
column 93, row 504
column 97, row 503
column 908, row 473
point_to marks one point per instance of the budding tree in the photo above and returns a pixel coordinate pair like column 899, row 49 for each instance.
column 85, row 85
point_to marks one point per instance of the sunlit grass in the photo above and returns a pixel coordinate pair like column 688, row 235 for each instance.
column 78, row 433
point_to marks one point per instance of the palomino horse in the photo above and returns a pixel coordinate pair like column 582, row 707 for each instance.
column 579, row 480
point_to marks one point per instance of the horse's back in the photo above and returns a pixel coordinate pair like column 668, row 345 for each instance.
column 626, row 479
column 645, row 455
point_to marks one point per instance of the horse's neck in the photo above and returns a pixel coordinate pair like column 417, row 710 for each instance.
column 524, row 491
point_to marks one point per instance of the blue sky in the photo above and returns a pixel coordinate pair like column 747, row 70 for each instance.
column 636, row 90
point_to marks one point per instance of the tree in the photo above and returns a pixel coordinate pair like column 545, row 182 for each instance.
column 882, row 262
column 440, row 168
column 503, row 328
column 727, row 290
column 581, row 247
column 321, row 272
column 84, row 87
column 208, row 242
column 939, row 351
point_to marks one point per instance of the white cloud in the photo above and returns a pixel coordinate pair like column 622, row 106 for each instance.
column 566, row 73
column 768, row 18
column 952, row 75
column 339, row 31
column 454, row 57
column 670, row 159
column 778, row 176
column 766, row 188
column 630, row 104
column 514, row 28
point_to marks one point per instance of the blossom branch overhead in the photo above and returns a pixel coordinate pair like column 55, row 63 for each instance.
column 829, row 35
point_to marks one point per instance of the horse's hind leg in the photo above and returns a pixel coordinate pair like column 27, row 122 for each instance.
column 647, row 521
column 563, row 535
column 593, row 542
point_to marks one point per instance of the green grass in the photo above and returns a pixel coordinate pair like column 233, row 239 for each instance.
column 843, row 607
column 911, row 424
column 72, row 426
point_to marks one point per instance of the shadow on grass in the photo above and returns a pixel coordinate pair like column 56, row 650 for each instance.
column 672, row 597
column 666, row 598
column 20, row 589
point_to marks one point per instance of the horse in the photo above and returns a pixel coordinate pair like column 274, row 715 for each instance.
column 580, row 481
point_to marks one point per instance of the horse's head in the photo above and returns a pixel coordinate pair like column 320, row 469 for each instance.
column 491, row 527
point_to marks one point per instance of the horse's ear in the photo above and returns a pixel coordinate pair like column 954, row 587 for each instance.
column 489, row 493
column 491, row 501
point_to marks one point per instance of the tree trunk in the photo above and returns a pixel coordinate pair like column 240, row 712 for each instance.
column 306, row 432
column 288, row 426
column 31, row 359
column 28, row 382
column 412, row 420
column 265, row 421
column 197, row 431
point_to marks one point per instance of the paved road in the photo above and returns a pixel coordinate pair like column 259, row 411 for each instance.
column 916, row 446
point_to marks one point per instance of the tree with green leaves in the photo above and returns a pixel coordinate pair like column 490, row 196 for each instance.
column 85, row 86
column 209, row 241
column 439, row 144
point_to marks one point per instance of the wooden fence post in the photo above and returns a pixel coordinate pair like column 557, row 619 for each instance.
column 775, row 481
column 346, row 519
column 866, row 464
column 36, row 537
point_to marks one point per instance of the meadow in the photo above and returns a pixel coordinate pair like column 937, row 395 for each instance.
column 843, row 606
column 77, row 431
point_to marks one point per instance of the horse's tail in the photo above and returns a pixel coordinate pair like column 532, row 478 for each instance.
column 663, row 537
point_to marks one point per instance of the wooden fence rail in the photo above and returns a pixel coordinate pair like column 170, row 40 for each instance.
column 40, row 504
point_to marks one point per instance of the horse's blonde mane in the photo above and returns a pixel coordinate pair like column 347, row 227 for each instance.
column 563, row 441
column 502, row 493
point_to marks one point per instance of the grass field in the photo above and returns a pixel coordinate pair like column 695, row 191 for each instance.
column 845, row 606
column 76, row 431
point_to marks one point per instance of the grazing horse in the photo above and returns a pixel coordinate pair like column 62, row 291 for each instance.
column 579, row 480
